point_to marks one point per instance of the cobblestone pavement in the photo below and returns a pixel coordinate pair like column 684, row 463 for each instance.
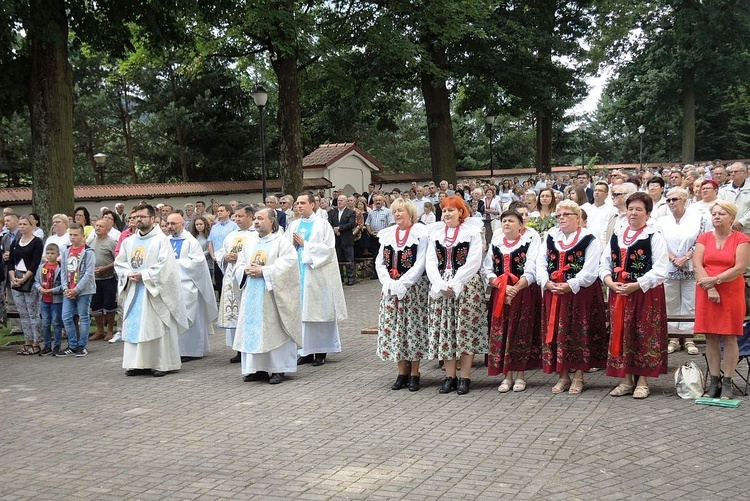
column 79, row 428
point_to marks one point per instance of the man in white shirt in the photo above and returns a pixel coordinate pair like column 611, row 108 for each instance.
column 738, row 192
column 600, row 212
column 420, row 200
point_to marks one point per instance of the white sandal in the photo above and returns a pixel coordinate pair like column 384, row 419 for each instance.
column 505, row 385
column 520, row 385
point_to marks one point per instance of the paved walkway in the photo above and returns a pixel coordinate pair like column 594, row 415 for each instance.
column 78, row 428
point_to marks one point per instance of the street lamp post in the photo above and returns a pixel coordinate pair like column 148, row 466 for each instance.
column 260, row 97
column 583, row 145
column 100, row 158
column 489, row 120
column 641, row 130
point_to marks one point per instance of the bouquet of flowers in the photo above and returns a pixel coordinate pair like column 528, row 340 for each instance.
column 542, row 224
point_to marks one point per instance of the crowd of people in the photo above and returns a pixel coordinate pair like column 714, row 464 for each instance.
column 581, row 274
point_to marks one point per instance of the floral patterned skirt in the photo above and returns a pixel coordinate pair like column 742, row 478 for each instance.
column 458, row 326
column 402, row 324
column 516, row 337
column 580, row 338
column 644, row 335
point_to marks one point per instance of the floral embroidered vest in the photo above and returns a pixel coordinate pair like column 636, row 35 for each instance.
column 459, row 255
column 405, row 260
column 637, row 259
column 517, row 260
column 574, row 257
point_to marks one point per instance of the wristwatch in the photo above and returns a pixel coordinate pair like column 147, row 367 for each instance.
column 718, row 280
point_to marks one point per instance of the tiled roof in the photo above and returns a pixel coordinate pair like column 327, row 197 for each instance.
column 157, row 190
column 327, row 154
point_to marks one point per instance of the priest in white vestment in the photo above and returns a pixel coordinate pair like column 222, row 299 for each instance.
column 149, row 289
column 226, row 259
column 197, row 289
column 269, row 327
column 322, row 300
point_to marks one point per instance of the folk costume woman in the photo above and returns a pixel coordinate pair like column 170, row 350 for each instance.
column 402, row 322
column 634, row 267
column 573, row 312
column 457, row 309
column 515, row 315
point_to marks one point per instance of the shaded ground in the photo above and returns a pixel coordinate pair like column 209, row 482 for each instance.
column 78, row 428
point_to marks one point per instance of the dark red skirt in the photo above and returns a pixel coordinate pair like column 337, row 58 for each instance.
column 580, row 339
column 516, row 337
column 644, row 335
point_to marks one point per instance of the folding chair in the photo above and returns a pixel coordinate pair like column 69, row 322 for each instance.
column 743, row 343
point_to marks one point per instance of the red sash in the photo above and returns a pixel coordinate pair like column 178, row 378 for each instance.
column 557, row 276
column 502, row 282
column 618, row 314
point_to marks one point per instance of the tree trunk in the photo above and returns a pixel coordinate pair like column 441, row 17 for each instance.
column 543, row 142
column 290, row 154
column 125, row 117
column 688, row 117
column 51, row 106
column 439, row 128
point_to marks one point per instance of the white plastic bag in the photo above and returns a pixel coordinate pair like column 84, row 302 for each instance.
column 688, row 381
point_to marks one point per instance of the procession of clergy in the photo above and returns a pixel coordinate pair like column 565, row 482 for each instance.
column 169, row 305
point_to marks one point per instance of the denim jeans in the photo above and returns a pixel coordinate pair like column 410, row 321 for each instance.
column 78, row 306
column 51, row 320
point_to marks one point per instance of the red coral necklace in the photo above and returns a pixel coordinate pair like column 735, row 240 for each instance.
column 628, row 240
column 572, row 244
column 400, row 242
column 449, row 241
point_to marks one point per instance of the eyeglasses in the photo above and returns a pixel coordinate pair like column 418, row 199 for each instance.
column 564, row 215
column 615, row 195
column 734, row 171
column 670, row 200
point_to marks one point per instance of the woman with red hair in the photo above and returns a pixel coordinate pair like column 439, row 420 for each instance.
column 457, row 324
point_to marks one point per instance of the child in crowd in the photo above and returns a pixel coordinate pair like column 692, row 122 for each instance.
column 49, row 286
column 429, row 214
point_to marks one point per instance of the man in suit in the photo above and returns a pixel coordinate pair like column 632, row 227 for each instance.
column 343, row 220
column 273, row 203
column 584, row 181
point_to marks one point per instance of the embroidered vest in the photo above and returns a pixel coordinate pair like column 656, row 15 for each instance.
column 517, row 260
column 637, row 258
column 574, row 258
column 458, row 258
column 405, row 260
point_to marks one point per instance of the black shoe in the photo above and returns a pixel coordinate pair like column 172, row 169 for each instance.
column 463, row 386
column 81, row 351
column 714, row 389
column 307, row 359
column 449, row 385
column 46, row 351
column 256, row 376
column 136, row 372
column 189, row 359
column 276, row 378
column 374, row 277
column 727, row 392
column 66, row 352
column 402, row 381
column 414, row 383
column 158, row 373
column 319, row 360
column 236, row 359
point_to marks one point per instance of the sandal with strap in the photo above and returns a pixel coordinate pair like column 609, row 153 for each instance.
column 26, row 350
column 561, row 386
column 691, row 348
column 505, row 385
column 520, row 385
column 622, row 389
column 641, row 392
column 577, row 387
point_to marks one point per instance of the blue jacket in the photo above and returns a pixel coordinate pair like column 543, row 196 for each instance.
column 86, row 279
